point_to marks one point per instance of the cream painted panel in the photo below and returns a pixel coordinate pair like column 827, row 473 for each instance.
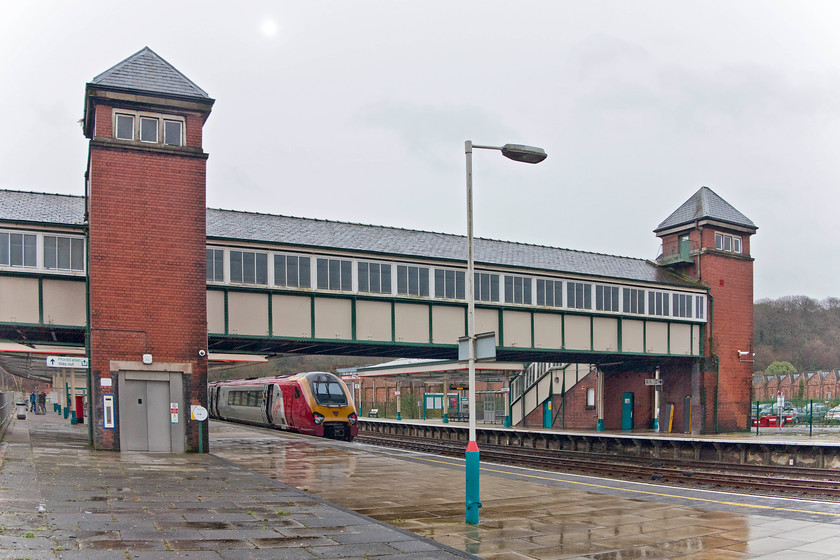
column 696, row 331
column 291, row 316
column 448, row 324
column 632, row 336
column 333, row 318
column 248, row 313
column 373, row 320
column 681, row 339
column 605, row 334
column 656, row 337
column 487, row 320
column 578, row 332
column 517, row 329
column 18, row 299
column 215, row 311
column 412, row 322
column 64, row 302
column 548, row 331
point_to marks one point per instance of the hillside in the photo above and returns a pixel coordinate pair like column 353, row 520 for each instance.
column 799, row 330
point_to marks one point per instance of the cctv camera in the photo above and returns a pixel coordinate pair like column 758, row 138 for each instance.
column 201, row 353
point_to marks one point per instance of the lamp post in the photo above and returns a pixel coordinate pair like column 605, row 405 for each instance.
column 516, row 152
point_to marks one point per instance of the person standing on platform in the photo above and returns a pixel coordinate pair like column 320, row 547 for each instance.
column 32, row 402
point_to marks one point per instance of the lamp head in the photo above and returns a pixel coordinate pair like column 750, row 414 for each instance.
column 525, row 154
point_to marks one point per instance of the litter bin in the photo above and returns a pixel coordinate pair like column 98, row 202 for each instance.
column 21, row 410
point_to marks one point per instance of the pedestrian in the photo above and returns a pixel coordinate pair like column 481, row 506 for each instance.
column 32, row 402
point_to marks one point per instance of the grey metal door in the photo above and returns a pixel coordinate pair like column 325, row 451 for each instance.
column 134, row 430
column 160, row 438
column 145, row 418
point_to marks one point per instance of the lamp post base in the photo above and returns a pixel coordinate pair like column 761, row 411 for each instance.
column 600, row 426
column 473, row 487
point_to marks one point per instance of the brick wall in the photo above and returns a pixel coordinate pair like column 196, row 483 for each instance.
column 147, row 264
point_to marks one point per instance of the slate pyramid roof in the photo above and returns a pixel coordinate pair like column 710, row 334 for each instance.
column 706, row 204
column 146, row 71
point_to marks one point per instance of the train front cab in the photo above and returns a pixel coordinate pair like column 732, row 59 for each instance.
column 331, row 406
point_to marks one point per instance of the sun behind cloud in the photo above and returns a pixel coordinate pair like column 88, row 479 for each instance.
column 269, row 28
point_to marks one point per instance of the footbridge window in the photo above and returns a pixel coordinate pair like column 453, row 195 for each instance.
column 247, row 267
column 682, row 305
column 486, row 286
column 518, row 289
column 335, row 274
column 374, row 278
column 658, row 304
column 412, row 280
column 18, row 249
column 450, row 284
column 550, row 293
column 578, row 295
column 64, row 253
column 215, row 265
column 292, row 271
column 606, row 298
column 634, row 301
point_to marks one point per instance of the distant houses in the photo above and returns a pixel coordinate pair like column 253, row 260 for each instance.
column 808, row 385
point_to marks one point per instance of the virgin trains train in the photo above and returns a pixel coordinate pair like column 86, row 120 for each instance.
column 315, row 403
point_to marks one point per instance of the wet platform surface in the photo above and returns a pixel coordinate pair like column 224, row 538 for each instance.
column 535, row 514
column 61, row 499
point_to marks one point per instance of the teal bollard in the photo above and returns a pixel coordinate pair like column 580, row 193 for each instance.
column 73, row 417
column 473, row 486
column 66, row 413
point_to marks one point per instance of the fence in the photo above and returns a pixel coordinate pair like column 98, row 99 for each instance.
column 795, row 418
column 7, row 409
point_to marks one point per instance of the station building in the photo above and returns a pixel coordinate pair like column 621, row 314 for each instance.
column 139, row 271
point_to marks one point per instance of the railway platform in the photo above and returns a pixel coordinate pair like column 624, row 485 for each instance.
column 61, row 499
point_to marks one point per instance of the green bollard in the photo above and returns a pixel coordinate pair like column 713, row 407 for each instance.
column 73, row 417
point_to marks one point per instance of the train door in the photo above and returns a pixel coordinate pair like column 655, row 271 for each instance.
column 278, row 408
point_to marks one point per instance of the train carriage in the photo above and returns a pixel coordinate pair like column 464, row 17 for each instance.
column 315, row 403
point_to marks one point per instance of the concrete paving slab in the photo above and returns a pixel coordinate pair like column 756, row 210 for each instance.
column 159, row 506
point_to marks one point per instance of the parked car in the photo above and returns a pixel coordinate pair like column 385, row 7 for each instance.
column 833, row 414
column 819, row 411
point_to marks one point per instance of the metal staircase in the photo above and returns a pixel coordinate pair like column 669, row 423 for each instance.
column 539, row 382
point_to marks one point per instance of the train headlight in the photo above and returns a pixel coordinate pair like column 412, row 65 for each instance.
column 318, row 418
column 352, row 418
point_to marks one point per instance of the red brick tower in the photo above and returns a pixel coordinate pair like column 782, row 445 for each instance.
column 146, row 261
column 706, row 238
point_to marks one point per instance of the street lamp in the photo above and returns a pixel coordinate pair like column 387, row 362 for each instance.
column 516, row 152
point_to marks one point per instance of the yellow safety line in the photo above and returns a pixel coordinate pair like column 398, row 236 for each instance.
column 605, row 487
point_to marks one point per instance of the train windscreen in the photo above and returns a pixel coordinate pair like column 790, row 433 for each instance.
column 328, row 393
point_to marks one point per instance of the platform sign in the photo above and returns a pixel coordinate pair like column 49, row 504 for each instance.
column 657, row 382
column 173, row 412
column 67, row 362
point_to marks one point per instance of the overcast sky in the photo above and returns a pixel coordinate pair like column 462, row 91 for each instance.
column 358, row 111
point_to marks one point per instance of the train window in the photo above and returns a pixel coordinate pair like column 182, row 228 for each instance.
column 329, row 392
column 297, row 393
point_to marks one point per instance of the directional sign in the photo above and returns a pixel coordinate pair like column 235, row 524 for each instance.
column 653, row 382
column 66, row 362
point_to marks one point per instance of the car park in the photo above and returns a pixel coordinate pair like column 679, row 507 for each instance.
column 815, row 411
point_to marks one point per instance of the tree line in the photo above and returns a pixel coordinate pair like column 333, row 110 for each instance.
column 799, row 330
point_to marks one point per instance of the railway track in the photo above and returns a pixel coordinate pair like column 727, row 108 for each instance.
column 778, row 480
